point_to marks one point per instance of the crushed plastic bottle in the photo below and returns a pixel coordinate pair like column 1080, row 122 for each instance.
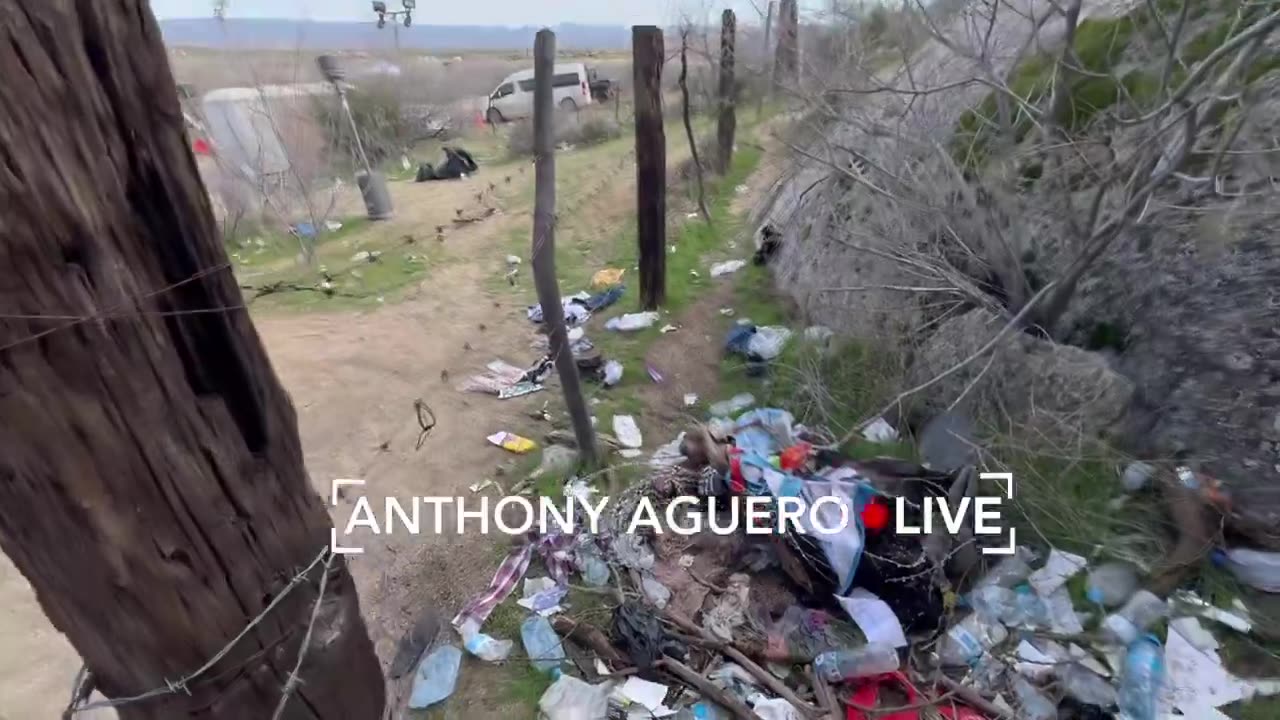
column 1252, row 567
column 612, row 373
column 1032, row 704
column 1085, row 685
column 733, row 405
column 1128, row 623
column 483, row 646
column 1110, row 584
column 1009, row 572
column 1029, row 609
column 967, row 641
column 993, row 602
column 436, row 678
column 872, row 659
column 542, row 644
column 1141, row 678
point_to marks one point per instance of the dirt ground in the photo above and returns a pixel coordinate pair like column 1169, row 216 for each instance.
column 354, row 377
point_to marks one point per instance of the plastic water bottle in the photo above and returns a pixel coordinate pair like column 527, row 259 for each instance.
column 1251, row 567
column 967, row 641
column 1129, row 622
column 1031, row 703
column 1110, row 584
column 1029, row 609
column 992, row 602
column 1009, row 572
column 1141, row 678
column 873, row 659
column 542, row 644
column 436, row 678
column 1086, row 686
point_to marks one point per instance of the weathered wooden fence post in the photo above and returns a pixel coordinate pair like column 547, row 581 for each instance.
column 543, row 255
column 152, row 485
column 727, row 124
column 786, row 60
column 648, row 55
column 766, row 62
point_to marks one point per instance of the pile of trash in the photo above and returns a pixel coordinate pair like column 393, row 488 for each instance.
column 705, row 617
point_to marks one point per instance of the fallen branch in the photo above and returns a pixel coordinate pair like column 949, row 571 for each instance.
column 590, row 637
column 704, row 686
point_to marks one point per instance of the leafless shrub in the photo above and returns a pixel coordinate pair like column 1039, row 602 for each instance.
column 572, row 128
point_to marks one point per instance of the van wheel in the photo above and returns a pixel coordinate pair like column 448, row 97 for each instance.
column 494, row 116
column 568, row 105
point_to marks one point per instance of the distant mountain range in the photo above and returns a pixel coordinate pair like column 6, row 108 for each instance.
column 272, row 34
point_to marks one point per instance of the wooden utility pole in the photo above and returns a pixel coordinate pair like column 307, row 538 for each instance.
column 766, row 60
column 152, row 487
column 648, row 55
column 727, row 124
column 543, row 256
column 786, row 60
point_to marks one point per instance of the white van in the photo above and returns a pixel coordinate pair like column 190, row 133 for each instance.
column 513, row 98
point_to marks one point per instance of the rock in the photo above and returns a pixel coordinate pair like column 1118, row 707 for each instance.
column 1058, row 389
column 946, row 442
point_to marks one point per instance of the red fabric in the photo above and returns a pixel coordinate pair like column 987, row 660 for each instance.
column 200, row 147
column 867, row 695
column 795, row 457
column 737, row 483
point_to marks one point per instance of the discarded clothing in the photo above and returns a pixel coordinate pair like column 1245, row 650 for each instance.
column 437, row 677
column 575, row 311
column 638, row 633
column 632, row 321
column 457, row 162
column 605, row 298
column 607, row 277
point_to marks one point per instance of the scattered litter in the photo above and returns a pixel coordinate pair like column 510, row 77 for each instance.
column 1238, row 621
column 519, row 390
column 512, row 442
column 730, row 610
column 1057, row 570
column 483, row 646
column 612, row 373
column 607, row 278
column 690, row 399
column 654, row 591
column 632, row 321
column 654, row 374
column 733, row 405
column 727, row 312
column 542, row 596
column 332, row 225
column 484, row 484
column 362, row 256
column 668, row 454
column 727, row 267
column 768, row 341
column 690, row 216
column 630, row 453
column 627, row 432
column 668, row 329
column 741, row 189
column 437, row 677
column 880, row 431
column 543, row 646
column 569, row 698
column 648, row 695
column 513, row 260
column 1110, row 584
column 876, row 619
column 1136, row 476
column 1256, row 568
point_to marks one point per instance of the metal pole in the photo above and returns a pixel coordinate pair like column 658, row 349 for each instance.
column 544, row 244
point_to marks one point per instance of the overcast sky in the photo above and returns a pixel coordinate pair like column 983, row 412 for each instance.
column 475, row 12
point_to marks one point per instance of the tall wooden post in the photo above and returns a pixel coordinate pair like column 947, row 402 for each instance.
column 727, row 124
column 543, row 256
column 152, row 487
column 766, row 60
column 786, row 60
column 648, row 55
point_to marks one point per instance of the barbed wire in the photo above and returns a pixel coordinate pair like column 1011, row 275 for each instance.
column 182, row 684
column 80, row 319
